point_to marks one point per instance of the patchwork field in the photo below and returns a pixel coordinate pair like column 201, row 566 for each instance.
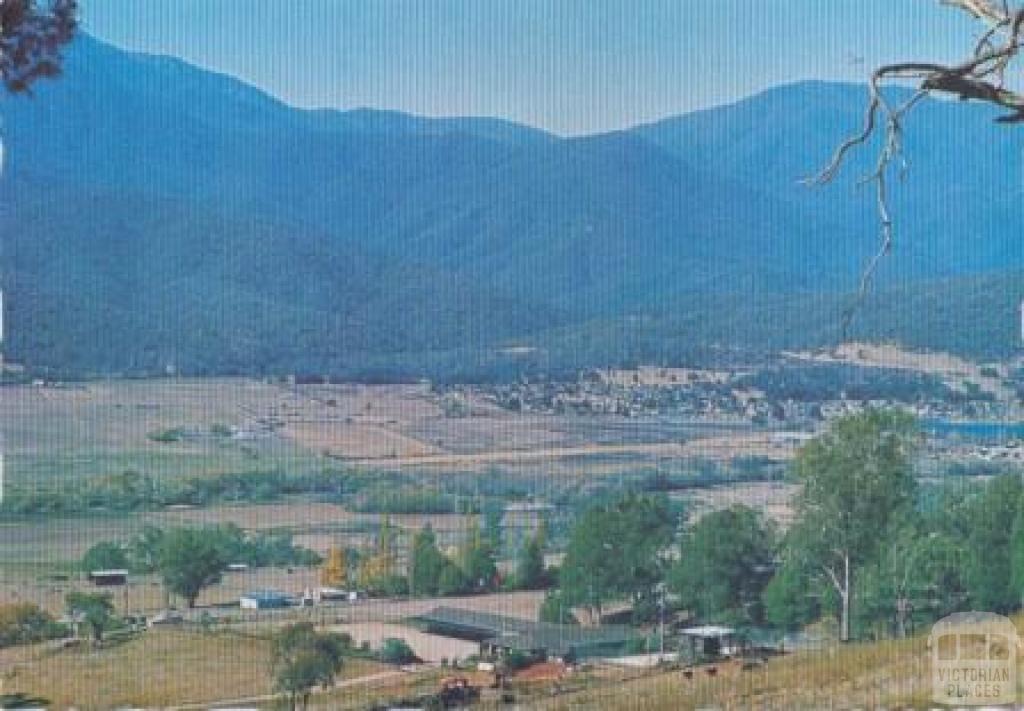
column 176, row 428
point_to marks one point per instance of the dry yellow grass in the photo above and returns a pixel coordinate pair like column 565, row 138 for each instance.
column 389, row 688
column 156, row 670
column 868, row 675
column 774, row 499
column 952, row 369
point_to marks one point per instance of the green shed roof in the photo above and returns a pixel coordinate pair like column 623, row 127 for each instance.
column 525, row 635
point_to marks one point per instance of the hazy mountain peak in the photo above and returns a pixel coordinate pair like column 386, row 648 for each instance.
column 155, row 211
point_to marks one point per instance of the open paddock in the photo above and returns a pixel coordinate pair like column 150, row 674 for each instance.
column 156, row 670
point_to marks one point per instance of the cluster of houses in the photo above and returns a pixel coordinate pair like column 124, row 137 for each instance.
column 594, row 396
column 723, row 398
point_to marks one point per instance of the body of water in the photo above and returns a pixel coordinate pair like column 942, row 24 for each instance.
column 981, row 431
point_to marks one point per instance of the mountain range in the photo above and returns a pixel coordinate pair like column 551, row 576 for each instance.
column 155, row 215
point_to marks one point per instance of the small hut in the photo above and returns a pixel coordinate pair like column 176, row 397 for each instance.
column 709, row 642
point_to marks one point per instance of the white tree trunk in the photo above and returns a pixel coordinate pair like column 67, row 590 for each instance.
column 844, row 594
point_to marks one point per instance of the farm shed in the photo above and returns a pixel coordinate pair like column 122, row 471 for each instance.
column 710, row 641
column 108, row 578
column 263, row 600
column 500, row 635
column 333, row 594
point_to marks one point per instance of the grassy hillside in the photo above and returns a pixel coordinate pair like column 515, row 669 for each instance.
column 889, row 674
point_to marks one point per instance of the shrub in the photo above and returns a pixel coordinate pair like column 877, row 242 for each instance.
column 26, row 623
column 105, row 556
column 452, row 580
column 396, row 651
column 556, row 610
column 516, row 660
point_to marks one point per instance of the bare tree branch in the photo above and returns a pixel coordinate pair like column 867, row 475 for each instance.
column 981, row 77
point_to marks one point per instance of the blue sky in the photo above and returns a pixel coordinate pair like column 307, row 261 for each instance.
column 570, row 66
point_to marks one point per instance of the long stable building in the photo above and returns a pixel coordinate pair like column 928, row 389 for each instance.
column 500, row 635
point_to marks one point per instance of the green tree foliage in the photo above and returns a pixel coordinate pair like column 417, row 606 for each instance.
column 126, row 491
column 991, row 547
column 530, row 573
column 556, row 610
column 105, row 556
column 616, row 552
column 793, row 597
column 142, row 554
column 144, row 549
column 1017, row 552
column 377, row 566
column 26, row 623
column 133, row 491
column 478, row 560
column 916, row 579
column 396, row 651
column 402, row 500
column 427, row 563
column 96, row 611
column 856, row 481
column 303, row 659
column 494, row 517
column 452, row 580
column 725, row 562
column 189, row 561
column 393, row 585
column 259, row 550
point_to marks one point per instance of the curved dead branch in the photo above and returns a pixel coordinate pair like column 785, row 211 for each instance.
column 981, row 77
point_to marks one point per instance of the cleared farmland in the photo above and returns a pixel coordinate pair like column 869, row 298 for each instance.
column 181, row 428
column 155, row 670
